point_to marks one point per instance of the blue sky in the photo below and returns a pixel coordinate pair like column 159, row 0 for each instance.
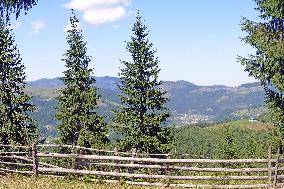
column 197, row 40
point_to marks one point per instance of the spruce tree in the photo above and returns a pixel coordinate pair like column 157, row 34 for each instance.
column 80, row 124
column 16, row 125
column 143, row 110
column 15, row 6
column 228, row 146
column 266, row 64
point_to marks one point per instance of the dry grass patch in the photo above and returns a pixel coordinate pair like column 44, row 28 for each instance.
column 46, row 182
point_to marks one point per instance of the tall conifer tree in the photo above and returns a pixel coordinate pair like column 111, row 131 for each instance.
column 80, row 124
column 16, row 126
column 228, row 147
column 143, row 108
column 267, row 63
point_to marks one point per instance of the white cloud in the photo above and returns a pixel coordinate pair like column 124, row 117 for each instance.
column 83, row 5
column 100, row 11
column 15, row 25
column 100, row 16
column 37, row 25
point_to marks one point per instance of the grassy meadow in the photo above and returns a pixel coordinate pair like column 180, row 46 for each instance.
column 46, row 182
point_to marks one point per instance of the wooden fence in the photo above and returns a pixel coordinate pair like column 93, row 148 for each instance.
column 143, row 169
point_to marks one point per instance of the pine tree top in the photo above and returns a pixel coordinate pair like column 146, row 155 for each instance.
column 76, row 60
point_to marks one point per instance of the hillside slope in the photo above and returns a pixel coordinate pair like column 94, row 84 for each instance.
column 189, row 103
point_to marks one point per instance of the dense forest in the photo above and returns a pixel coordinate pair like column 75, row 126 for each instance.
column 245, row 139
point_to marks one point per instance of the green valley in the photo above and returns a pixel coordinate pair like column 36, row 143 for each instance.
column 190, row 104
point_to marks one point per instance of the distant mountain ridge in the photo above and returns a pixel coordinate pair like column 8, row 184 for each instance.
column 110, row 81
column 249, row 85
column 105, row 82
column 189, row 103
column 54, row 82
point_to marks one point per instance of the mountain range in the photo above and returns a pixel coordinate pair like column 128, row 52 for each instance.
column 189, row 103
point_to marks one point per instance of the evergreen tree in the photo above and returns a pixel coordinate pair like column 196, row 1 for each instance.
column 15, row 6
column 266, row 64
column 255, row 148
column 228, row 147
column 80, row 124
column 16, row 126
column 143, row 108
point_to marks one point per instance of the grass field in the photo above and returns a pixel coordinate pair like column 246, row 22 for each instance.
column 26, row 182
column 246, row 124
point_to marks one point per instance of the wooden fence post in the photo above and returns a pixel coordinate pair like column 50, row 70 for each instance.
column 269, row 165
column 130, row 170
column 35, row 159
column 276, row 168
column 116, row 163
column 77, row 160
column 167, row 170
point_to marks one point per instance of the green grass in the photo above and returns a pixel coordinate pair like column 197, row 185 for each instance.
column 245, row 124
column 51, row 182
column 251, row 125
column 46, row 182
column 241, row 122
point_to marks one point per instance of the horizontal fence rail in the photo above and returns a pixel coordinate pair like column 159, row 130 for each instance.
column 156, row 160
column 143, row 169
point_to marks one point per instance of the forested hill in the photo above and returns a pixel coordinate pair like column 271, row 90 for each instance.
column 189, row 103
